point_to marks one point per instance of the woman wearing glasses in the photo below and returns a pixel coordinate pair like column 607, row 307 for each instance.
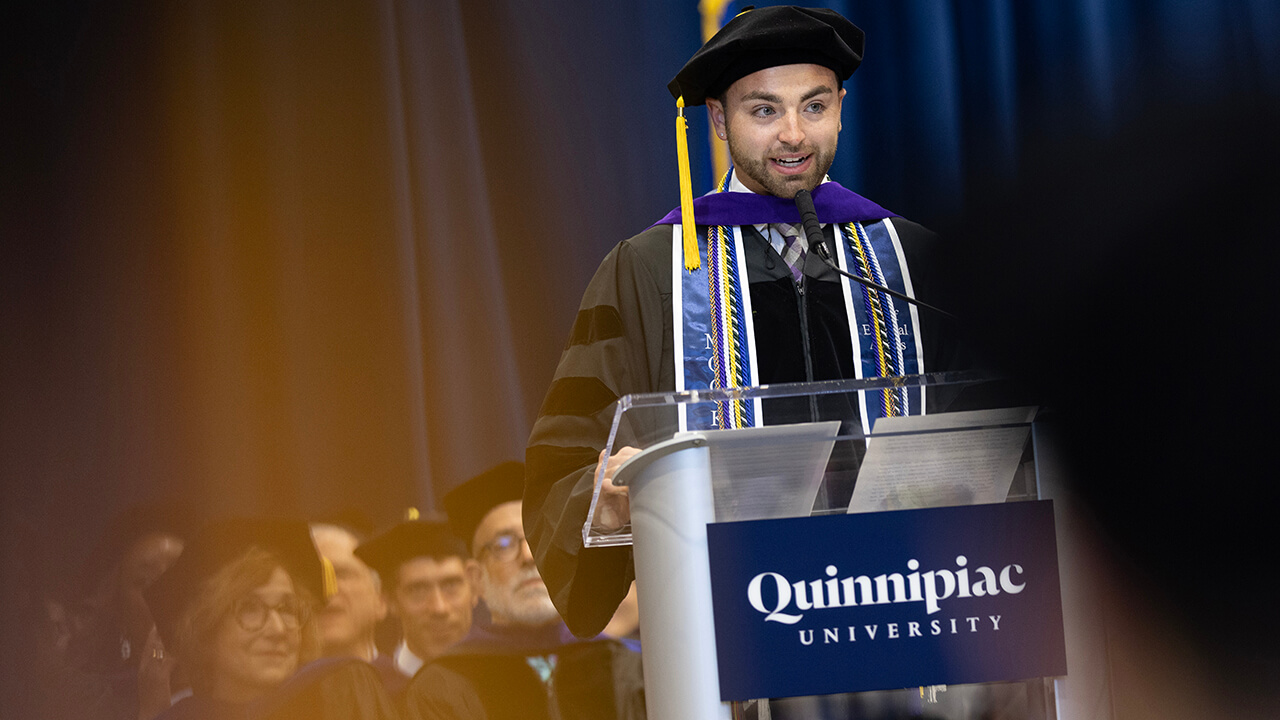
column 236, row 609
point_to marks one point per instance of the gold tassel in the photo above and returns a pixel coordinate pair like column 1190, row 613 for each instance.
column 330, row 578
column 411, row 514
column 688, row 226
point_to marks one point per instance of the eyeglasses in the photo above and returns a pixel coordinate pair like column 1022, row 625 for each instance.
column 504, row 548
column 251, row 613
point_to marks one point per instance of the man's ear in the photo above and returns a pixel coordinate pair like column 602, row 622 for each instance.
column 715, row 112
column 840, row 109
column 474, row 576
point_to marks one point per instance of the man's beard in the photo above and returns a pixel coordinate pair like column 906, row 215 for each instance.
column 783, row 186
column 531, row 606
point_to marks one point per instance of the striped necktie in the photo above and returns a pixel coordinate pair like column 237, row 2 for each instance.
column 792, row 249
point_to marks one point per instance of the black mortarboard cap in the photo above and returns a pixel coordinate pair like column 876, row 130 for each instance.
column 406, row 541
column 467, row 504
column 221, row 542
column 765, row 38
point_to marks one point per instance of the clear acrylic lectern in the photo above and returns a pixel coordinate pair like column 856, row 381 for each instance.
column 817, row 449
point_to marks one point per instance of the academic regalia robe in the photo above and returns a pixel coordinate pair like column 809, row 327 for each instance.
column 494, row 674
column 327, row 689
column 194, row 707
column 621, row 343
column 392, row 679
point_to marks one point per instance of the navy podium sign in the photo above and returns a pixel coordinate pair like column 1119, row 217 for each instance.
column 877, row 601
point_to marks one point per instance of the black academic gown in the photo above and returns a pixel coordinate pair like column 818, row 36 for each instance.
column 489, row 676
column 621, row 343
column 327, row 689
column 392, row 679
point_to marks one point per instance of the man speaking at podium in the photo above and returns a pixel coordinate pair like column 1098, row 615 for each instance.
column 772, row 80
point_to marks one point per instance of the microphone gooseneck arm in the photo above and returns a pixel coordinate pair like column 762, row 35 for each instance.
column 813, row 232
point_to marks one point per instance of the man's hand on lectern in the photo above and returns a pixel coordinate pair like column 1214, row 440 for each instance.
column 613, row 509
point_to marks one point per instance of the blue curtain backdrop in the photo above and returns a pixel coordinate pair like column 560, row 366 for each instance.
column 322, row 257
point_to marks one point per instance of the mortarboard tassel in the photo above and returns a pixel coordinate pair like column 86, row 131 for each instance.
column 691, row 259
column 330, row 578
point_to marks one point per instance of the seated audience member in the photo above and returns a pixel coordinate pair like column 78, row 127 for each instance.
column 522, row 661
column 349, row 620
column 237, row 609
column 112, row 639
column 429, row 586
column 78, row 642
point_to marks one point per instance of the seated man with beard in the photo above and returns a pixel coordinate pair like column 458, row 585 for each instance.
column 521, row 661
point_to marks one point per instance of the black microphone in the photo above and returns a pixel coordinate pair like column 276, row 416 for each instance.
column 809, row 221
column 813, row 231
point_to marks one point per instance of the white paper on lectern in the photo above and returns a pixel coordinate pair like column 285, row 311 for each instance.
column 769, row 472
column 962, row 458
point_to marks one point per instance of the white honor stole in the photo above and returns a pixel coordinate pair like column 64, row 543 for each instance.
column 714, row 340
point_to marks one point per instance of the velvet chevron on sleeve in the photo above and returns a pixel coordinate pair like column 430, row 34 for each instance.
column 620, row 344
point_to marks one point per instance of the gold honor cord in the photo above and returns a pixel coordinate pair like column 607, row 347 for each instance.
column 881, row 327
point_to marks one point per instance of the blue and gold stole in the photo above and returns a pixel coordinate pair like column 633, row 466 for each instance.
column 713, row 336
